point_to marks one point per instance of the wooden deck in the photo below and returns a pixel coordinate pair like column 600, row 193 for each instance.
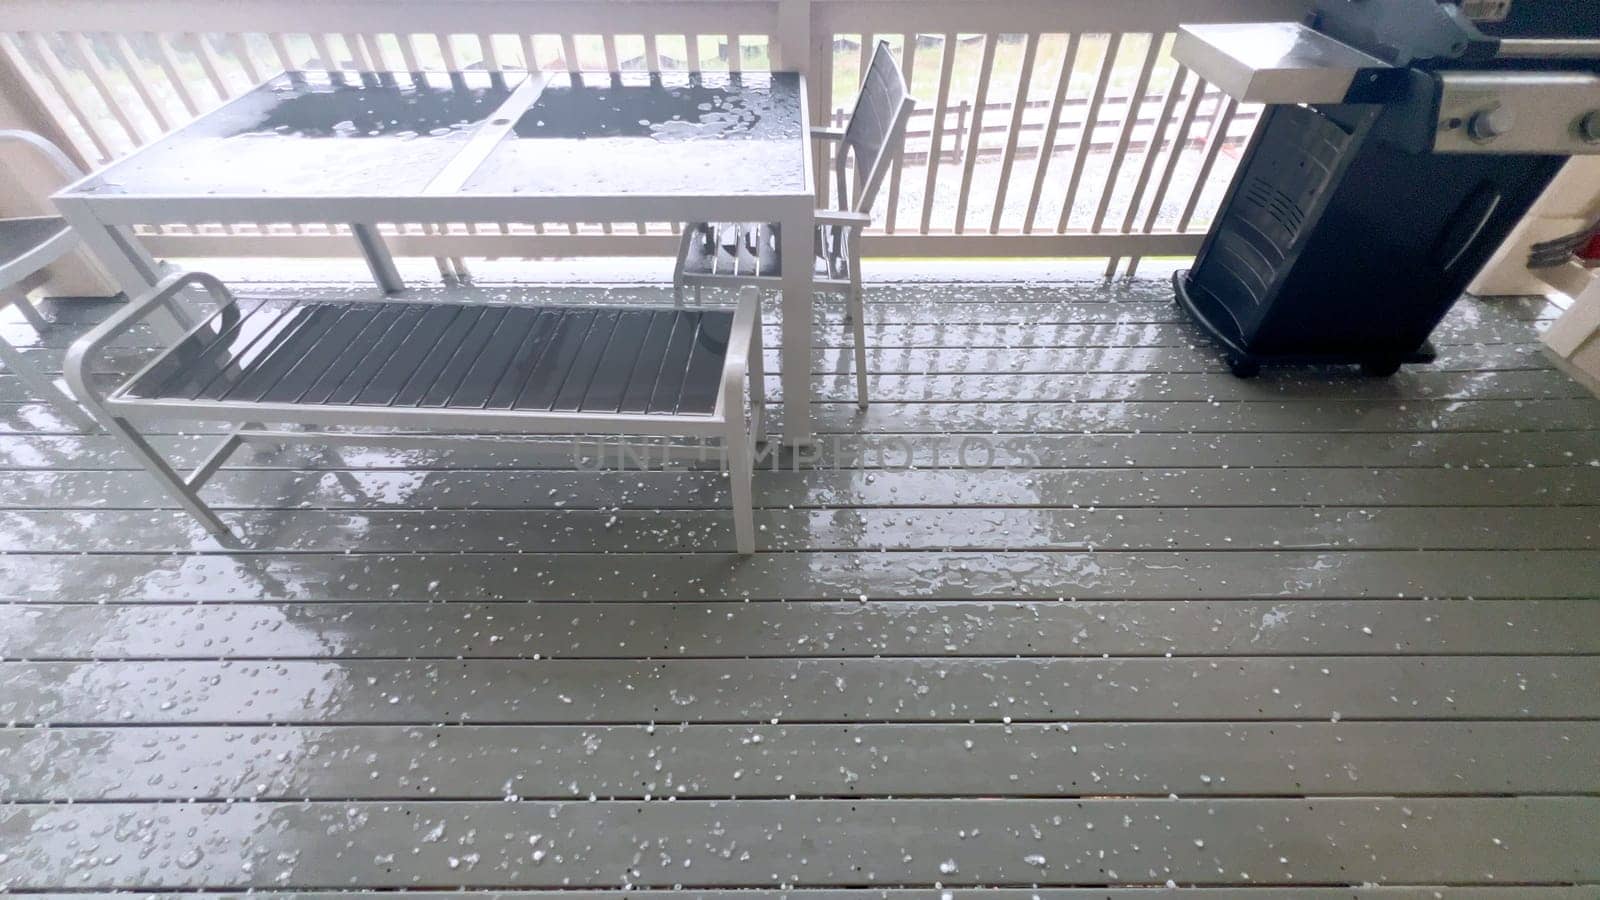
column 1289, row 639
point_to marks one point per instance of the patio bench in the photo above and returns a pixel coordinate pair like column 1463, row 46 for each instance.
column 472, row 371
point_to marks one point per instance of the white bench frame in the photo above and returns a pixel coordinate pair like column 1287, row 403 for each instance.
column 742, row 371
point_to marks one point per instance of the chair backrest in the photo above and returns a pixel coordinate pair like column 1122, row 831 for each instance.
column 52, row 154
column 876, row 132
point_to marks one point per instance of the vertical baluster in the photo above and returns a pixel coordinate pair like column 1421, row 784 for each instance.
column 608, row 44
column 569, row 58
column 652, row 62
column 1080, row 153
column 376, row 59
column 941, row 106
column 447, row 52
column 56, row 77
column 168, row 58
column 1179, row 144
column 211, row 65
column 452, row 64
column 240, row 46
column 134, row 72
column 832, row 148
column 1019, row 106
column 570, row 53
column 376, row 55
column 1130, row 119
column 372, row 48
column 408, row 52
column 908, row 58
column 241, row 49
column 491, row 60
column 325, row 52
column 280, row 48
column 652, row 57
column 1217, row 136
column 1152, row 150
column 975, row 137
column 358, row 53
column 530, row 62
column 78, row 44
column 1047, row 143
column 286, row 61
column 820, row 114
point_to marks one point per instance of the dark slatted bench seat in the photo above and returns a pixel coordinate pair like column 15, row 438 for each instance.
column 451, row 356
column 469, row 369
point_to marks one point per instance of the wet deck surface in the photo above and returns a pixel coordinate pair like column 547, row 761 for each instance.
column 1297, row 637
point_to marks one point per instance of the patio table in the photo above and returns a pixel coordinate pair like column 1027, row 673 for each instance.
column 318, row 147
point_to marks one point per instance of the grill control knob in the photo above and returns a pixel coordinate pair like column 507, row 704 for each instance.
column 1589, row 127
column 1488, row 124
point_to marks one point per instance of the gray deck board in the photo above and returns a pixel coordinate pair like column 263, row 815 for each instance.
column 901, row 689
column 276, row 488
column 739, row 843
column 336, row 575
column 798, row 629
column 565, row 762
column 681, row 531
column 1307, row 637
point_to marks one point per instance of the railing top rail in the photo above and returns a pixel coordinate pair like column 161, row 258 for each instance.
column 415, row 16
column 633, row 16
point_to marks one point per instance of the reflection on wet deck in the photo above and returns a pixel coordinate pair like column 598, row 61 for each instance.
column 1070, row 612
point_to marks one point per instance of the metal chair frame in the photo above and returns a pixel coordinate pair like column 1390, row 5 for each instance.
column 14, row 270
column 878, row 133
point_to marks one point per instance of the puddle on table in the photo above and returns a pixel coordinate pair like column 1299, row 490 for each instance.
column 312, row 133
column 638, row 133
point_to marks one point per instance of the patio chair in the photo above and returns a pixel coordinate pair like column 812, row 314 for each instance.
column 410, row 373
column 725, row 254
column 27, row 245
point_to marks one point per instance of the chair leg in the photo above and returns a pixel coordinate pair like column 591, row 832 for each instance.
column 45, row 388
column 859, row 326
column 677, row 267
column 30, row 312
column 187, row 496
column 740, row 469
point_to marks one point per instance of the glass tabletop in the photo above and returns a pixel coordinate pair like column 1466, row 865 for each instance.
column 609, row 133
column 312, row 134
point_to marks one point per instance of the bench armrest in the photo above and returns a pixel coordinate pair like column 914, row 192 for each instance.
column 746, row 318
column 843, row 217
column 87, row 349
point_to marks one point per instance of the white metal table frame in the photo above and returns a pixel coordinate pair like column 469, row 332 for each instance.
column 104, row 223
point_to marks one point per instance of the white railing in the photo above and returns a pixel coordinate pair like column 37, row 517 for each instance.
column 1045, row 127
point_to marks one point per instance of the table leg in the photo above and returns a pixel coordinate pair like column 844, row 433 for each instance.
column 132, row 267
column 378, row 258
column 795, row 246
column 115, row 247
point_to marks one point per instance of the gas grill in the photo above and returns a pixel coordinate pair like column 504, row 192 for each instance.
column 1402, row 140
